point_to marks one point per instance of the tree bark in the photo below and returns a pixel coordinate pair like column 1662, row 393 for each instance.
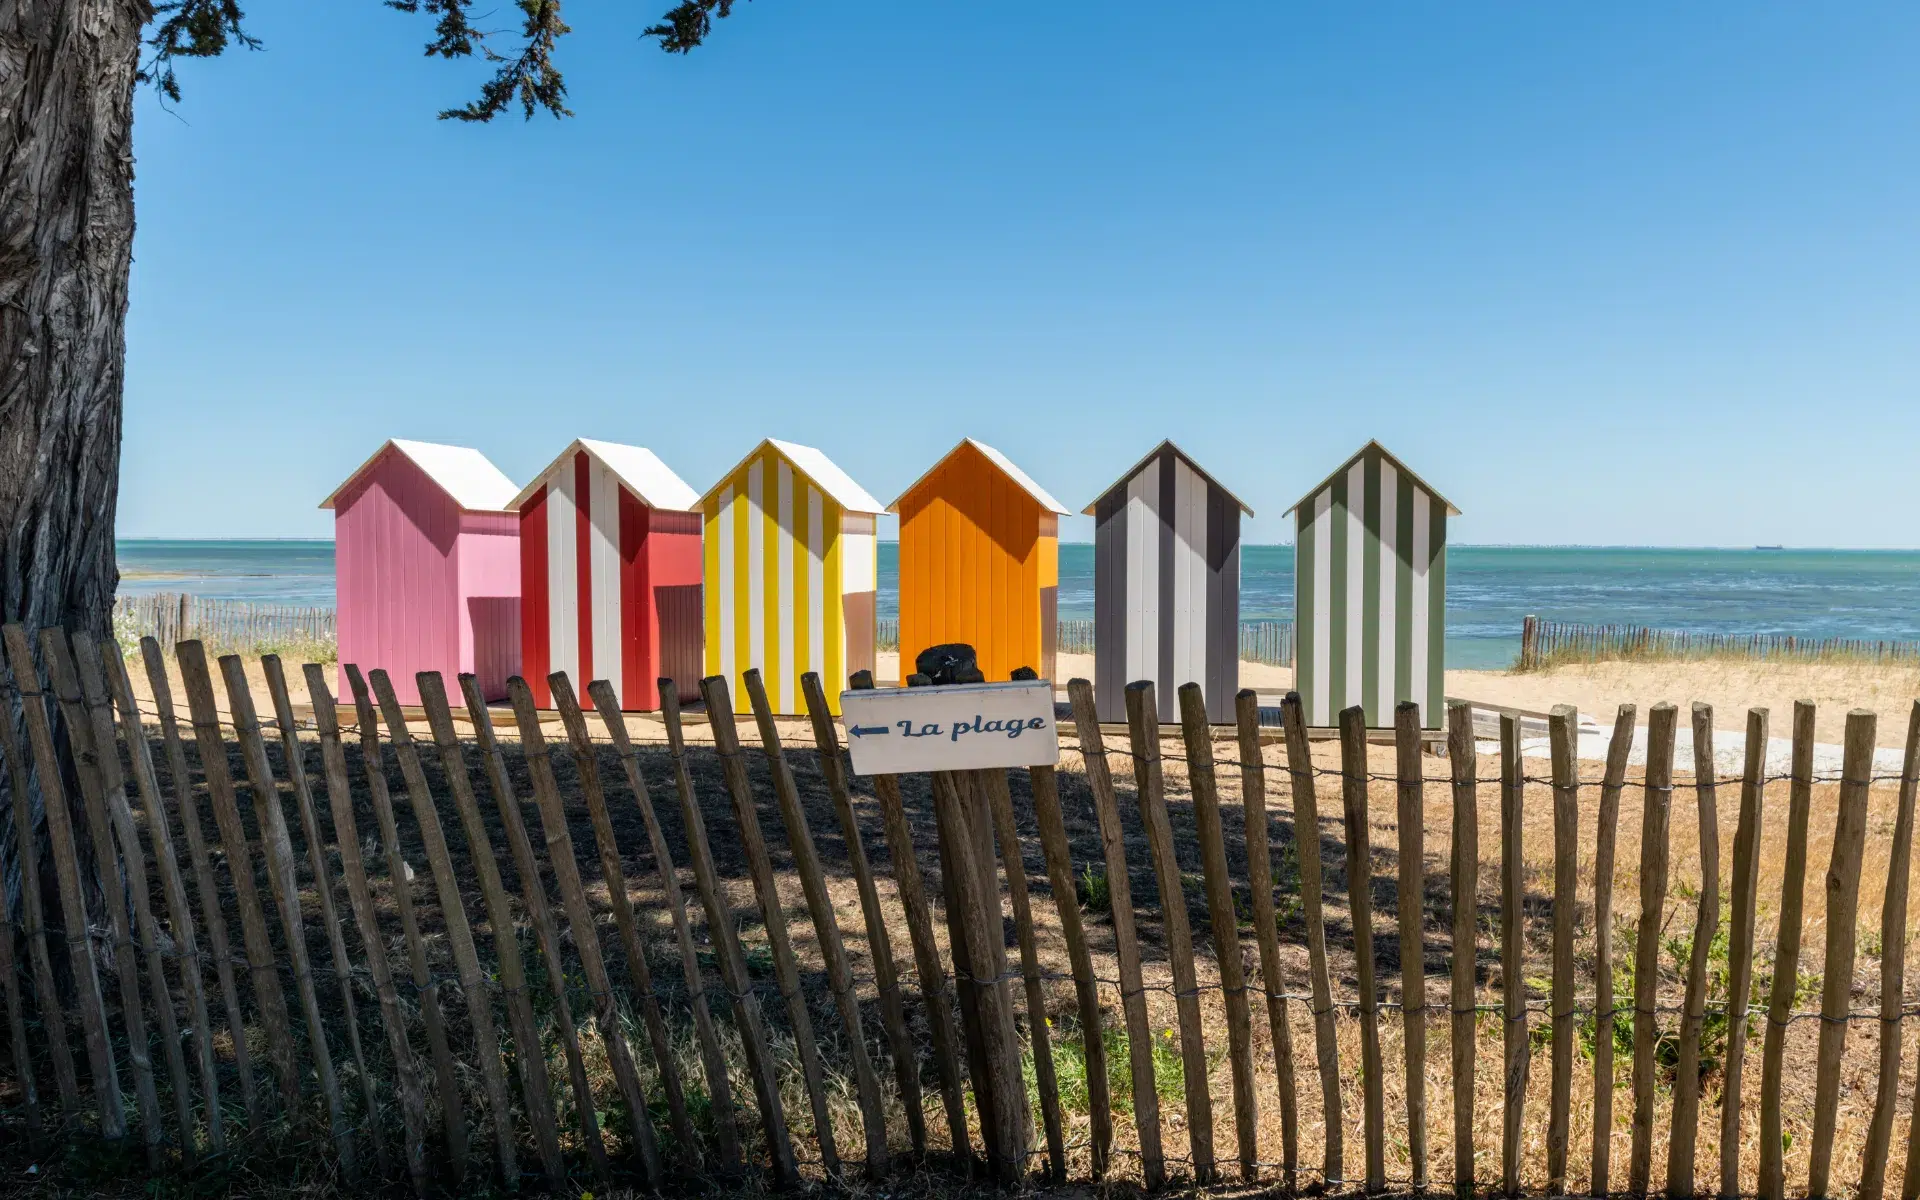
column 66, row 246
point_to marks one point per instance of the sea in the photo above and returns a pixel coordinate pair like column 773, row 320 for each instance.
column 1871, row 594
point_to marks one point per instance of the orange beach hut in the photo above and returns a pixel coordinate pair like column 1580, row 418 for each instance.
column 980, row 563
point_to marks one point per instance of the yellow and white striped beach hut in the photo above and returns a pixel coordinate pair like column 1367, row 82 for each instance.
column 1370, row 591
column 790, row 573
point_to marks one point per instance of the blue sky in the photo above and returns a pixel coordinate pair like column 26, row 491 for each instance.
column 1621, row 274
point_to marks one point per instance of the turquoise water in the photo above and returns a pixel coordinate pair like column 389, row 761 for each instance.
column 1808, row 593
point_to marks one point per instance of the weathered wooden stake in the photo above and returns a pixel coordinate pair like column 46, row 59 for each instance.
column 893, row 1016
column 726, row 939
column 1563, row 730
column 407, row 1082
column 1513, row 950
column 1786, row 963
column 1746, row 882
column 1843, row 901
column 546, row 930
column 210, row 907
column 1662, row 720
column 826, row 926
column 1359, row 867
column 1684, row 1135
column 1893, row 967
column 276, row 846
column 712, row 1056
column 1253, row 795
column 586, row 938
column 773, row 913
column 1306, row 834
column 926, row 952
column 1411, row 886
column 1464, row 878
column 529, row 1055
column 1224, row 921
column 1133, row 1000
column 400, row 882
column 1605, row 841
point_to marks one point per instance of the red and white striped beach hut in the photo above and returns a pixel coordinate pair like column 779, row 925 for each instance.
column 610, row 574
column 426, row 567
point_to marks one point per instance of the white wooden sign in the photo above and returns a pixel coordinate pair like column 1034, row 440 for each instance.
column 896, row 731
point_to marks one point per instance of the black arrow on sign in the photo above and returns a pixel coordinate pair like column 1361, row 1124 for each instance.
column 864, row 730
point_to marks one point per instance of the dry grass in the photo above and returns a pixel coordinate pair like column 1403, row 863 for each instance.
column 285, row 1162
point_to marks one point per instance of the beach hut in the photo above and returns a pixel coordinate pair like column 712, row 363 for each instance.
column 610, row 574
column 980, row 563
column 790, row 574
column 427, row 567
column 1166, row 586
column 1370, row 591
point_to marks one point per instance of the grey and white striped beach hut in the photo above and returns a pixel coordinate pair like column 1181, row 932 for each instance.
column 1370, row 591
column 1166, row 591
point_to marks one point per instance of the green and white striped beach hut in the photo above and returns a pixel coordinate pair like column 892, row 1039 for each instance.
column 1370, row 591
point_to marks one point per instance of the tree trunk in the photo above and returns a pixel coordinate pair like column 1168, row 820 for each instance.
column 66, row 245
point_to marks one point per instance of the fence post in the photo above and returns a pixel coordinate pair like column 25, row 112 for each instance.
column 1354, row 785
column 1464, row 878
column 1893, row 966
column 1306, row 837
column 1786, row 961
column 1662, row 719
column 1746, row 881
column 1513, row 948
column 1843, row 898
column 1411, row 932
column 1564, row 735
column 1143, row 723
column 1253, row 793
column 1619, row 749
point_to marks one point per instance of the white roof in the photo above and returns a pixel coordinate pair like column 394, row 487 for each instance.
column 460, row 471
column 639, row 468
column 822, row 470
column 1000, row 460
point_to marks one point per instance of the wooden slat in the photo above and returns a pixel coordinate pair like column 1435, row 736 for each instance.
column 1464, row 878
column 586, row 938
column 1306, row 834
column 1000, row 800
column 1513, row 951
column 886, row 979
column 276, row 846
column 407, row 1082
column 113, row 786
column 1224, row 921
column 1786, row 962
column 712, row 1055
column 1359, row 869
column 88, row 762
column 1143, row 720
column 733, row 963
column 1662, row 720
column 1746, row 883
column 1563, row 730
column 586, row 757
column 786, row 970
column 1133, row 1000
column 373, row 758
column 1843, row 900
column 15, row 999
column 1619, row 748
column 926, row 952
column 1066, row 901
column 546, row 931
column 529, row 1055
column 1893, row 966
column 1685, row 1130
column 210, row 907
column 172, row 889
column 261, row 956
column 826, row 925
column 55, row 1022
column 1410, row 793
column 1253, row 794
column 295, row 755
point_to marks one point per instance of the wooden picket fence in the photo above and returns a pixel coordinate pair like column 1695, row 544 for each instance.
column 152, row 960
column 1544, row 643
column 235, row 625
column 1266, row 641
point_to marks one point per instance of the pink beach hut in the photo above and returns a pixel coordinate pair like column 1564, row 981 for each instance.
column 427, row 567
column 610, row 575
